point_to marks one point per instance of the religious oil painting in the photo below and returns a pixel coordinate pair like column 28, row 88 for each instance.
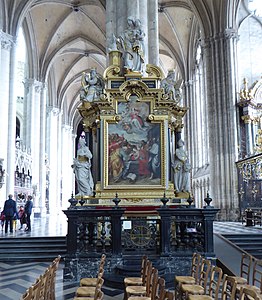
column 134, row 146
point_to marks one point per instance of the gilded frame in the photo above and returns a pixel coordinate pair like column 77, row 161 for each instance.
column 154, row 133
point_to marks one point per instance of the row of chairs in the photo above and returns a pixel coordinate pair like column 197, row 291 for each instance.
column 207, row 282
column 44, row 286
column 90, row 288
column 149, row 286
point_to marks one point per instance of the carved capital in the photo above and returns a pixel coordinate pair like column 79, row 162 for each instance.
column 7, row 40
column 247, row 119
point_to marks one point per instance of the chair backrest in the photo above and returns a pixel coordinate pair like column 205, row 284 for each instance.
column 36, row 289
column 257, row 274
column 204, row 273
column 28, row 294
column 245, row 266
column 154, row 284
column 148, row 278
column 161, row 288
column 246, row 293
column 102, row 262
column 99, row 295
column 169, row 295
column 215, row 281
column 143, row 268
column 228, row 288
column 196, row 263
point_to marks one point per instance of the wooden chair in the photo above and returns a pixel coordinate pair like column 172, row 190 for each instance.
column 90, row 291
column 138, row 280
column 249, row 294
column 92, row 281
column 169, row 295
column 49, row 292
column 36, row 290
column 153, row 293
column 193, row 278
column 99, row 295
column 245, row 268
column 228, row 288
column 28, row 294
column 256, row 283
column 197, row 289
column 214, row 286
column 141, row 290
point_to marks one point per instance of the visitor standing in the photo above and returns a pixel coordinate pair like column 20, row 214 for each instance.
column 9, row 212
column 28, row 211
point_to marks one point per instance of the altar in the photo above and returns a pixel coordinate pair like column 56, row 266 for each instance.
column 132, row 171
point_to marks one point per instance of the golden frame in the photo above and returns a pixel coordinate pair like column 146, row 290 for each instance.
column 157, row 123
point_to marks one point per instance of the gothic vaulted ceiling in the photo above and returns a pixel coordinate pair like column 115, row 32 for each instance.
column 66, row 37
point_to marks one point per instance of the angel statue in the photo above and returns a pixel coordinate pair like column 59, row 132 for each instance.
column 92, row 86
column 172, row 87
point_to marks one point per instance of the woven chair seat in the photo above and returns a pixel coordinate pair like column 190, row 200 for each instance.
column 139, row 298
column 88, row 282
column 136, row 290
column 200, row 297
column 193, row 289
column 239, row 280
column 133, row 281
column 185, row 279
column 85, row 291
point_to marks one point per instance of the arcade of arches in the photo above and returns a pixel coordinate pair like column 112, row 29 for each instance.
column 214, row 48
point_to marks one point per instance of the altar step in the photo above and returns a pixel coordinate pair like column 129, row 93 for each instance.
column 251, row 243
column 31, row 248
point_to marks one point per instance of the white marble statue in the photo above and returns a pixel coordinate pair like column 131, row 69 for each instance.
column 82, row 169
column 172, row 87
column 92, row 86
column 131, row 44
column 182, row 169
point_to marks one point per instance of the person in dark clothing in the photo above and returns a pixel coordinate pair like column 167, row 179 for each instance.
column 9, row 212
column 28, row 211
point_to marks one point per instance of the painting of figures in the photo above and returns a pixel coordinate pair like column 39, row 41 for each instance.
column 134, row 146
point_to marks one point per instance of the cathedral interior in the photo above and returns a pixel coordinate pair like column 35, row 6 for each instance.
column 139, row 122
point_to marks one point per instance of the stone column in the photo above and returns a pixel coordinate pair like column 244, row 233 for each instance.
column 153, row 33
column 143, row 13
column 52, row 150
column 133, row 9
column 219, row 54
column 67, row 159
column 32, row 135
column 6, row 45
column 110, row 21
column 121, row 17
column 42, row 152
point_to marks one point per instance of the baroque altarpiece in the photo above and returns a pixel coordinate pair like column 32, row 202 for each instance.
column 132, row 127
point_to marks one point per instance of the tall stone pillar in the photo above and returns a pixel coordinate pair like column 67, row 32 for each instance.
column 42, row 152
column 32, row 135
column 6, row 45
column 121, row 17
column 133, row 9
column 219, row 53
column 67, row 161
column 110, row 21
column 53, row 154
column 153, row 33
column 143, row 13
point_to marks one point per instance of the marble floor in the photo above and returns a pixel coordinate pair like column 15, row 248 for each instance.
column 16, row 277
